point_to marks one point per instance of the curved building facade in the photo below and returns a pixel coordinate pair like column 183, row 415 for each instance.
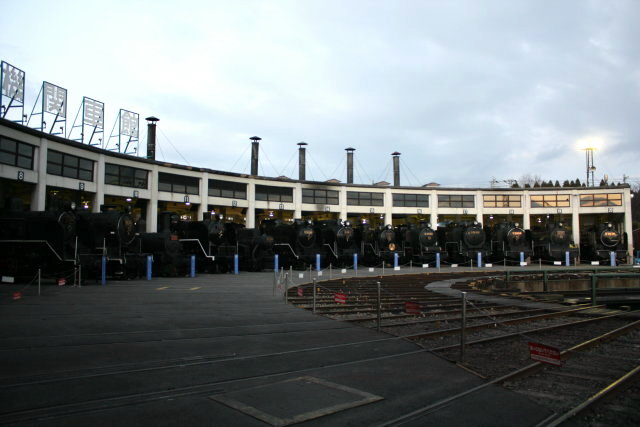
column 36, row 167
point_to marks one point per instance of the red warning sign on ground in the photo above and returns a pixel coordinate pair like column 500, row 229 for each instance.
column 17, row 295
column 62, row 282
column 544, row 353
column 300, row 292
column 412, row 307
column 340, row 298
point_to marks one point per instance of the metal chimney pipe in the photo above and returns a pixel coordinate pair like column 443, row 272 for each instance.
column 151, row 137
column 302, row 161
column 396, row 168
column 255, row 145
column 350, row 151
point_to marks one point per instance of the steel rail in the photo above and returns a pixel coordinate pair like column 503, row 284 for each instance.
column 418, row 413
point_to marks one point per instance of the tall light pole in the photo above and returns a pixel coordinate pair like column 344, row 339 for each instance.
column 591, row 169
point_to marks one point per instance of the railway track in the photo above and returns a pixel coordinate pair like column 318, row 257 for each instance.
column 601, row 348
column 593, row 369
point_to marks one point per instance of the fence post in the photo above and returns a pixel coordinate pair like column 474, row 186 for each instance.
column 438, row 260
column 612, row 257
column 567, row 259
column 318, row 262
column 355, row 262
column 395, row 259
column 314, row 296
column 39, row 277
column 235, row 264
column 330, row 271
column 276, row 263
column 379, row 308
column 193, row 266
column 594, row 284
column 149, row 267
column 103, row 276
column 463, row 326
column 286, row 288
column 521, row 257
column 479, row 259
column 79, row 275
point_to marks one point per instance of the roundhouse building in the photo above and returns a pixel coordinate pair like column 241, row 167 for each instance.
column 36, row 167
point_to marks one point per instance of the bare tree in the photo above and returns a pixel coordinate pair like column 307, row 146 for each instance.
column 530, row 179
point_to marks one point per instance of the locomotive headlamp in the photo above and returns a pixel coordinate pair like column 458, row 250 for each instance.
column 73, row 206
column 347, row 223
column 392, row 246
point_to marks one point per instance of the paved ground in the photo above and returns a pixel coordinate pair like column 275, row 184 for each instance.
column 219, row 350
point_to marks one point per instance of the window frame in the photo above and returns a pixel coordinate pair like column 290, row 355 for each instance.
column 70, row 166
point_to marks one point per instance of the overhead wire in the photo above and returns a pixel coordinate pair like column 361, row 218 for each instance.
column 320, row 169
column 174, row 147
column 406, row 166
column 239, row 158
column 385, row 175
column 275, row 170
column 284, row 169
column 356, row 162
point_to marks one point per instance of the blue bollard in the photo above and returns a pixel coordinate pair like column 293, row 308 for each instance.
column 103, row 280
column 612, row 257
column 521, row 257
column 193, row 266
column 567, row 259
column 437, row 259
column 318, row 262
column 149, row 264
column 235, row 264
column 479, row 259
column 355, row 261
column 276, row 263
column 395, row 259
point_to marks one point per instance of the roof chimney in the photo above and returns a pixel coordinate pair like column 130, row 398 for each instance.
column 151, row 137
column 302, row 161
column 350, row 164
column 255, row 145
column 396, row 168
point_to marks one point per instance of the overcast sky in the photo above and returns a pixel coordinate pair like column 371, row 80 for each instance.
column 465, row 90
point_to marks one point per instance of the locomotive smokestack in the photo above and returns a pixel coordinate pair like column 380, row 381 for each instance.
column 151, row 137
column 302, row 161
column 255, row 145
column 396, row 168
column 350, row 164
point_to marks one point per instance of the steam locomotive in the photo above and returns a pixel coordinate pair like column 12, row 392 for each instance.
column 337, row 241
column 420, row 243
column 553, row 242
column 602, row 239
column 463, row 241
column 295, row 244
column 509, row 241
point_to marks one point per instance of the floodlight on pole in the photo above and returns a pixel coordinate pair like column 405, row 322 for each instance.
column 591, row 169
